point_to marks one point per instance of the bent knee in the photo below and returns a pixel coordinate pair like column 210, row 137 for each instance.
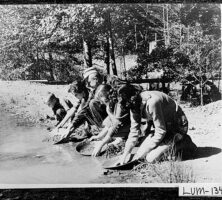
column 157, row 153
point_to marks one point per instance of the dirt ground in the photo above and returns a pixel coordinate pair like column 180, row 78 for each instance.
column 26, row 100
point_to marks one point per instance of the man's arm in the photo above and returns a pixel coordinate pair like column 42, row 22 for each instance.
column 135, row 118
column 69, row 114
column 104, row 141
column 156, row 112
column 151, row 142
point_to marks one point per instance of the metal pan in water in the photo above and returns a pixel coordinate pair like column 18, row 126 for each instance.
column 111, row 163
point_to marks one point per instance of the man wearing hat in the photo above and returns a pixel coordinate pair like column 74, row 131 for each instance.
column 93, row 112
column 92, row 78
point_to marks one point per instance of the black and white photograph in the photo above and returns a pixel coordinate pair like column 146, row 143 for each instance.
column 110, row 94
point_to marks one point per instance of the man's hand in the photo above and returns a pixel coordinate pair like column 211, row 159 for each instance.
column 93, row 138
column 123, row 159
column 56, row 129
column 97, row 149
column 144, row 148
column 62, row 137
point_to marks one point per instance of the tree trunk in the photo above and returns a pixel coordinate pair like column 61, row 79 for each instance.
column 219, row 76
column 51, row 67
column 180, row 35
column 201, row 94
column 181, row 40
column 113, row 62
column 164, row 26
column 107, row 61
column 135, row 37
column 188, row 33
column 87, row 54
column 35, row 67
column 124, row 62
column 168, row 33
column 38, row 66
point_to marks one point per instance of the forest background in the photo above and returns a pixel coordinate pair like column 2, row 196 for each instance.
column 57, row 41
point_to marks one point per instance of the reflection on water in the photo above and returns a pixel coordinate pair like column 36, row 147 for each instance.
column 26, row 159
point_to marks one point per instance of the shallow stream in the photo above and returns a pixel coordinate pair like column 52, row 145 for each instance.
column 25, row 159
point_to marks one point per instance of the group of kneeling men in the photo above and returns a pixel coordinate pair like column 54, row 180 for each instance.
column 118, row 108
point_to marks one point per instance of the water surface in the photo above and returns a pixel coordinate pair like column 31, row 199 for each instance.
column 25, row 159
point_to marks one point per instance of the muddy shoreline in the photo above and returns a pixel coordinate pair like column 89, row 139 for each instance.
column 23, row 109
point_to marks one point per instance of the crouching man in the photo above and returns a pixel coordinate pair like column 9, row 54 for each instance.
column 171, row 126
column 93, row 111
column 59, row 106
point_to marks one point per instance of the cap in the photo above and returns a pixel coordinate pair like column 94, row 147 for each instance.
column 89, row 71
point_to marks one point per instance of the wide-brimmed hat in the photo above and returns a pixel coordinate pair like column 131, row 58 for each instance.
column 89, row 71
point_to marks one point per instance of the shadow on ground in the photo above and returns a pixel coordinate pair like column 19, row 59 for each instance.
column 202, row 152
